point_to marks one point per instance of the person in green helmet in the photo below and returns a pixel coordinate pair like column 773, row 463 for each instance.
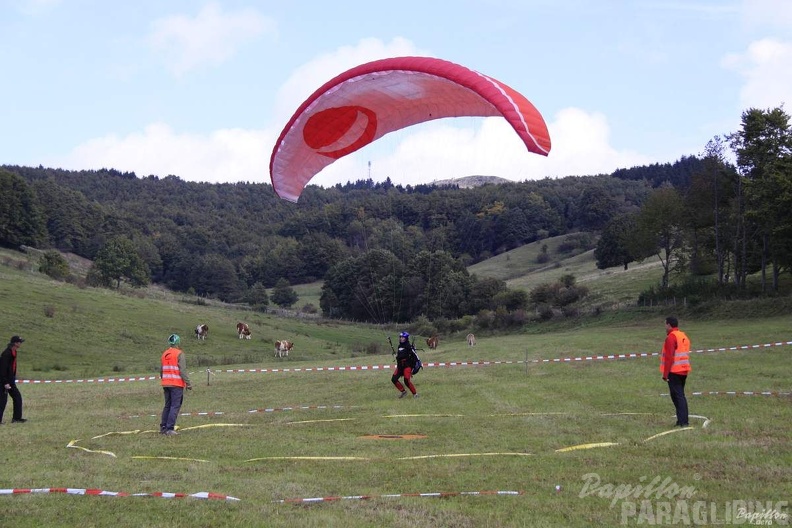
column 173, row 374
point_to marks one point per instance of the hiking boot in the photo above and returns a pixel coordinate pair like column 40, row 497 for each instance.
column 19, row 420
column 403, row 394
column 171, row 433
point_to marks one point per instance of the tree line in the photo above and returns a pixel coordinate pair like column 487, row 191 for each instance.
column 731, row 220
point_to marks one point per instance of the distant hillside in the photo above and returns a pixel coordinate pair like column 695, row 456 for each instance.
column 520, row 268
column 469, row 182
column 221, row 240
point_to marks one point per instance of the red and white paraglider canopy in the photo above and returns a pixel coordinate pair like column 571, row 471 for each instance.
column 368, row 101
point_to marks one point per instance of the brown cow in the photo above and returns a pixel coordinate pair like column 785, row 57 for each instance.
column 471, row 340
column 243, row 330
column 201, row 331
column 432, row 342
column 282, row 348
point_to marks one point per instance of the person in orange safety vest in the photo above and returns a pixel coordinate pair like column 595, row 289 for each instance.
column 675, row 367
column 174, row 379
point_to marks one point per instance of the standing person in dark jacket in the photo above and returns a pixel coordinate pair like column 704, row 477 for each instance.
column 173, row 373
column 8, row 369
column 404, row 365
column 675, row 366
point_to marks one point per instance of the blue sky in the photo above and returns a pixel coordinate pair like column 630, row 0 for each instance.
column 201, row 90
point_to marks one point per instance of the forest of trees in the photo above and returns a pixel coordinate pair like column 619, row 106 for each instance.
column 727, row 221
column 391, row 252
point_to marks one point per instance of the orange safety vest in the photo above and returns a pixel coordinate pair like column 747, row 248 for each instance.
column 171, row 375
column 681, row 364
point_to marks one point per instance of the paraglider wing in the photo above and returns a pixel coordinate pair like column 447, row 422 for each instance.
column 368, row 101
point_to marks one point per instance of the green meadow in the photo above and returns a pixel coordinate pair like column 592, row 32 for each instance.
column 498, row 436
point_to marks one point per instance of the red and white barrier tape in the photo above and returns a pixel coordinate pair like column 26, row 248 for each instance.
column 398, row 495
column 297, row 408
column 358, row 368
column 90, row 380
column 103, row 493
column 252, row 411
column 738, row 393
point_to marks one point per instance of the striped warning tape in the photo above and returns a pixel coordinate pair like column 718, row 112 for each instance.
column 447, row 364
column 201, row 413
column 297, row 408
column 738, row 393
column 399, row 495
column 90, row 380
column 104, row 493
column 252, row 411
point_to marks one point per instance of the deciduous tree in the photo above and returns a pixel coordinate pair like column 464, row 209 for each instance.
column 118, row 260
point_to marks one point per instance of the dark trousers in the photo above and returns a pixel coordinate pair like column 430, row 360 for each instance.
column 173, row 402
column 16, row 397
column 676, row 387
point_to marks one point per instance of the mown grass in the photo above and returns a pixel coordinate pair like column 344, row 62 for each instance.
column 503, row 423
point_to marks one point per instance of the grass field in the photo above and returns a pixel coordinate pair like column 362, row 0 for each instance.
column 283, row 431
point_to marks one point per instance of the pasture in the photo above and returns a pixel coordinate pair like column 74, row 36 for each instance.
column 299, row 441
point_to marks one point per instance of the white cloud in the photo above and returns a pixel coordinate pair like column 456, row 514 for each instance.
column 766, row 67
column 212, row 36
column 581, row 145
column 224, row 156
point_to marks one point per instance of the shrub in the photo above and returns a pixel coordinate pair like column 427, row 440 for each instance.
column 485, row 319
column 423, row 326
column 54, row 265
column 545, row 312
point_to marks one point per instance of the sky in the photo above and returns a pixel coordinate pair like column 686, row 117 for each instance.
column 202, row 89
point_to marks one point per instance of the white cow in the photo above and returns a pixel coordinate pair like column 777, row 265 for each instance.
column 282, row 348
column 471, row 340
column 201, row 331
column 243, row 330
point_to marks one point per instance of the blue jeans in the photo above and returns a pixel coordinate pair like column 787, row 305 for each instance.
column 173, row 402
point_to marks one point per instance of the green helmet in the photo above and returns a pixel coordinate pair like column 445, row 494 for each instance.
column 174, row 339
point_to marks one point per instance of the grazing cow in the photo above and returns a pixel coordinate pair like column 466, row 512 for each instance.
column 243, row 330
column 432, row 342
column 471, row 339
column 282, row 348
column 201, row 331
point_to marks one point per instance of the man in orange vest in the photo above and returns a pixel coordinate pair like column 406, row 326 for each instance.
column 675, row 366
column 173, row 373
